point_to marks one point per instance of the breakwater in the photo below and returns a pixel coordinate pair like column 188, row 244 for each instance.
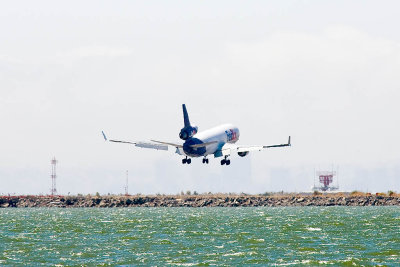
column 207, row 200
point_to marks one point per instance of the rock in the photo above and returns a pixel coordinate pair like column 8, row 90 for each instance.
column 102, row 204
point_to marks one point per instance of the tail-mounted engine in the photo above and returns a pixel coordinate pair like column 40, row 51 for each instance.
column 188, row 130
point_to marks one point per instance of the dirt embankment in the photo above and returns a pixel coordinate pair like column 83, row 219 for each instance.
column 216, row 200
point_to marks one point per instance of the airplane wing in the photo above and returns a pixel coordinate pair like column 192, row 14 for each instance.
column 259, row 148
column 228, row 149
column 138, row 144
column 168, row 144
column 281, row 145
column 181, row 146
column 249, row 148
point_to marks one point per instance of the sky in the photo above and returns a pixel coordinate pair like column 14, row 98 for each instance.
column 324, row 72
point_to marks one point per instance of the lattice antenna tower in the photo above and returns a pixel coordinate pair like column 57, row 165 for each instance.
column 126, row 185
column 53, row 176
column 325, row 180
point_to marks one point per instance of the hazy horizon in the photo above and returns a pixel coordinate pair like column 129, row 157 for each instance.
column 325, row 73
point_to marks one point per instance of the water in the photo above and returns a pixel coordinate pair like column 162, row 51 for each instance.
column 201, row 236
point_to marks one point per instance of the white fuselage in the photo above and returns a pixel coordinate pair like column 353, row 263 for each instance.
column 220, row 135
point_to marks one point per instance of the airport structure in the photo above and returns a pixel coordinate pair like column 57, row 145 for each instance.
column 323, row 181
column 126, row 185
column 53, row 176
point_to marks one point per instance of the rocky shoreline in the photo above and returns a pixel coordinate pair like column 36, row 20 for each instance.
column 207, row 200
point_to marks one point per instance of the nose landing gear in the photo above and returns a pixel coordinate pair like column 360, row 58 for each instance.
column 205, row 160
column 226, row 161
column 186, row 160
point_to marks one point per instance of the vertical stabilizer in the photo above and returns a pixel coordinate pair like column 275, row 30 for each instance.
column 188, row 130
column 185, row 116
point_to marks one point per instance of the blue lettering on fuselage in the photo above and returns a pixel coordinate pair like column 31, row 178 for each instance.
column 231, row 135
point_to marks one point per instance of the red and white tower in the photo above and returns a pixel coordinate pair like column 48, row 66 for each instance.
column 53, row 176
column 325, row 181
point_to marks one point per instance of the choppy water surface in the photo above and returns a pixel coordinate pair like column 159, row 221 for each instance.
column 204, row 236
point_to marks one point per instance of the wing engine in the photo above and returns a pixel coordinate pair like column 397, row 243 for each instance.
column 244, row 153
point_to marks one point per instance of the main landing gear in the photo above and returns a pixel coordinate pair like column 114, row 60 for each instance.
column 225, row 161
column 205, row 160
column 186, row 160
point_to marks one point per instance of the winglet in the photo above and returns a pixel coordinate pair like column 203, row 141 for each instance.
column 104, row 135
column 281, row 145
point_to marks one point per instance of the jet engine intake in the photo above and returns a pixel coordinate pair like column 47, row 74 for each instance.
column 187, row 132
column 242, row 154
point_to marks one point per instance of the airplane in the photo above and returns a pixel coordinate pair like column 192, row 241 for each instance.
column 219, row 141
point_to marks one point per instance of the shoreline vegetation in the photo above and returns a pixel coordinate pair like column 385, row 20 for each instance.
column 204, row 200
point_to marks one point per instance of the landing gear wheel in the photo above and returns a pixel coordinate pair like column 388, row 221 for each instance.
column 189, row 161
column 183, row 161
column 225, row 161
column 207, row 161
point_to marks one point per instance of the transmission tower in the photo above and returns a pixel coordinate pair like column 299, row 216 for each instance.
column 53, row 176
column 126, row 185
